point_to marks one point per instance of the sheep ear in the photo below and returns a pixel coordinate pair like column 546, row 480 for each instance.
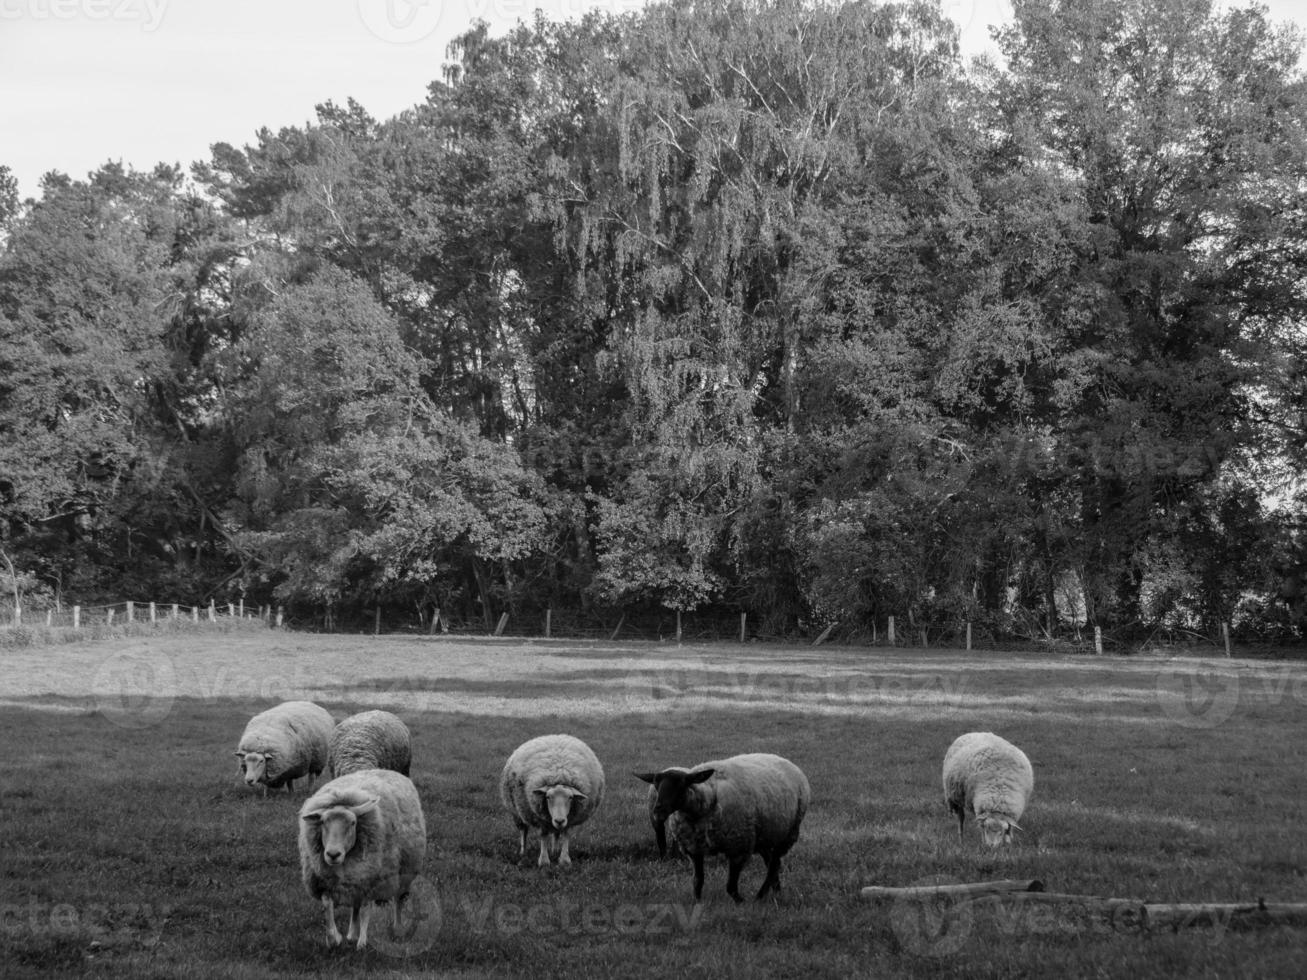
column 576, row 795
column 699, row 777
column 539, row 791
column 240, row 755
column 313, row 816
column 367, row 806
column 648, row 777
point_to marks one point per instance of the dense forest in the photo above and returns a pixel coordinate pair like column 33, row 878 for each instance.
column 769, row 306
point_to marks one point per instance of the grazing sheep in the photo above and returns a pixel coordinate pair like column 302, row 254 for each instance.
column 284, row 743
column 370, row 740
column 362, row 840
column 661, row 823
column 744, row 805
column 990, row 777
column 555, row 783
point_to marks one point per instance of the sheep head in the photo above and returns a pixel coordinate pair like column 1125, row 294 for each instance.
column 337, row 826
column 995, row 829
column 556, row 802
column 254, row 766
column 674, row 788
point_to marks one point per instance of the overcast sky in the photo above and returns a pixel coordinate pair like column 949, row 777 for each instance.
column 144, row 81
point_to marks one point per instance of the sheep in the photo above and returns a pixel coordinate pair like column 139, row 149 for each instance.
column 992, row 778
column 744, row 805
column 663, row 823
column 284, row 743
column 555, row 783
column 370, row 740
column 362, row 839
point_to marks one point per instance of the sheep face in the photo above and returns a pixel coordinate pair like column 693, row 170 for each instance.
column 994, row 830
column 254, row 766
column 556, row 803
column 337, row 828
column 673, row 789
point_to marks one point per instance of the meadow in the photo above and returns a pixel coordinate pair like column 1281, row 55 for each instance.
column 131, row 849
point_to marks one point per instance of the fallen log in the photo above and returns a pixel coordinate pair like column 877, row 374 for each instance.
column 966, row 890
column 1224, row 915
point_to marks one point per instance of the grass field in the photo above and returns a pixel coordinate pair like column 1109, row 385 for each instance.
column 131, row 849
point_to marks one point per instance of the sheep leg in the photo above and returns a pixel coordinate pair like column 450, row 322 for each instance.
column 697, row 858
column 521, row 850
column 660, row 831
column 733, row 878
column 563, row 859
column 543, row 860
column 773, row 880
column 962, row 819
column 353, row 933
column 333, row 934
column 363, row 913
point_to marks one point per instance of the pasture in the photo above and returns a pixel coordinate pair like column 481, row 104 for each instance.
column 131, row 849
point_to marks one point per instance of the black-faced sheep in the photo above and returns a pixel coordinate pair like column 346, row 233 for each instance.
column 744, row 805
column 362, row 839
column 554, row 783
column 284, row 743
column 990, row 777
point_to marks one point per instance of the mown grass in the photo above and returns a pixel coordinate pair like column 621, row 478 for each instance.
column 132, row 850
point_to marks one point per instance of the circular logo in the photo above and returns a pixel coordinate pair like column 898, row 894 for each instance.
column 1197, row 697
column 419, row 922
column 135, row 689
column 931, row 925
column 400, row 21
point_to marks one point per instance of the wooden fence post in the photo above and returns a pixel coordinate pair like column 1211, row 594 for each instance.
column 503, row 621
column 743, row 621
column 1225, row 635
column 280, row 611
column 77, row 617
column 49, row 617
column 174, row 610
column 231, row 609
column 968, row 636
column 213, row 612
column 889, row 634
column 108, row 620
column 678, row 627
column 131, row 612
column 549, row 622
column 376, row 625
column 1098, row 640
column 154, row 615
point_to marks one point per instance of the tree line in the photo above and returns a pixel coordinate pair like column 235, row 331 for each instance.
column 773, row 306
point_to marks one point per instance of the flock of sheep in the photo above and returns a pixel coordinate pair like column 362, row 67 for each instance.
column 362, row 837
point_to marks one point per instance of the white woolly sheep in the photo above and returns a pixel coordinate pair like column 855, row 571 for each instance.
column 661, row 824
column 991, row 778
column 555, row 783
column 284, row 743
column 370, row 740
column 362, row 839
column 741, row 806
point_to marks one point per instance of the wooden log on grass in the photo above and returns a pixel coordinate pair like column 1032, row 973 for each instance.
column 1224, row 915
column 824, row 633
column 963, row 890
column 503, row 621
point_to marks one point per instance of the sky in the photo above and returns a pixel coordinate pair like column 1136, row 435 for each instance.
column 83, row 82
